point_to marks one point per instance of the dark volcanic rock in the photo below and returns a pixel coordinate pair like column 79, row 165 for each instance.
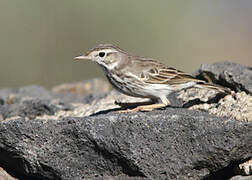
column 235, row 76
column 32, row 101
column 30, row 108
column 174, row 143
column 74, row 133
column 84, row 92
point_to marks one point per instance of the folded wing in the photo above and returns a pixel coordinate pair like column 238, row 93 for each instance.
column 167, row 75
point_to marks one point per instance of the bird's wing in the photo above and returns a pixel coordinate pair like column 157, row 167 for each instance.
column 166, row 75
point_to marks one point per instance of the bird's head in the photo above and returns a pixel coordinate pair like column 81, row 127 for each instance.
column 106, row 55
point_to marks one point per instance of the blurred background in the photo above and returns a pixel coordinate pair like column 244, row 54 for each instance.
column 39, row 38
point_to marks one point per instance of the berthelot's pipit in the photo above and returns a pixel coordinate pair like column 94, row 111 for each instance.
column 143, row 77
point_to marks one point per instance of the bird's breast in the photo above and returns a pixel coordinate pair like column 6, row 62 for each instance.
column 126, row 85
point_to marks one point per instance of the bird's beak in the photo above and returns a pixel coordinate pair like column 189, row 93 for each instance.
column 82, row 58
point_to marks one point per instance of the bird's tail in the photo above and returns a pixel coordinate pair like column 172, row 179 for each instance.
column 216, row 87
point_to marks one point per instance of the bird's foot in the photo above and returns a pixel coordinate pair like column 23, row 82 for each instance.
column 143, row 108
column 125, row 105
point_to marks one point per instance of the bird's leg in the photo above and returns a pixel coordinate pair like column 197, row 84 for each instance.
column 132, row 104
column 143, row 108
column 149, row 107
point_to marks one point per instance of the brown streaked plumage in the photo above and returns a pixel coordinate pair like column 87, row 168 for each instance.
column 143, row 77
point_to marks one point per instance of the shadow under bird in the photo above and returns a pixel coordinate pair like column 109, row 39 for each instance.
column 143, row 77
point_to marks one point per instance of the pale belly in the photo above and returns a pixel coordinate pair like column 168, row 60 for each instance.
column 128, row 88
column 138, row 89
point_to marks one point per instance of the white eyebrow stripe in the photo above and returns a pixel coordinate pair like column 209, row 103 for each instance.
column 108, row 51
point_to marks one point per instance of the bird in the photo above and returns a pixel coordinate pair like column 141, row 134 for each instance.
column 143, row 77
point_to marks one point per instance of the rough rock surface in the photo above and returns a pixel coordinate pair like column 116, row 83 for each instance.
column 82, row 92
column 175, row 143
column 241, row 178
column 245, row 168
column 228, row 74
column 239, row 107
column 235, row 76
column 74, row 133
column 33, row 101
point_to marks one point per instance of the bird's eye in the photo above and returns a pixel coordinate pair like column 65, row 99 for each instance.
column 101, row 54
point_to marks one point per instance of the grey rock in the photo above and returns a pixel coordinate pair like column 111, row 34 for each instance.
column 175, row 143
column 32, row 101
column 82, row 92
column 246, row 168
column 241, row 178
column 31, row 108
column 235, row 76
column 44, row 134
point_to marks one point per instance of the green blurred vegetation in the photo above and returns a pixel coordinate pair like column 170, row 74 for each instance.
column 39, row 38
